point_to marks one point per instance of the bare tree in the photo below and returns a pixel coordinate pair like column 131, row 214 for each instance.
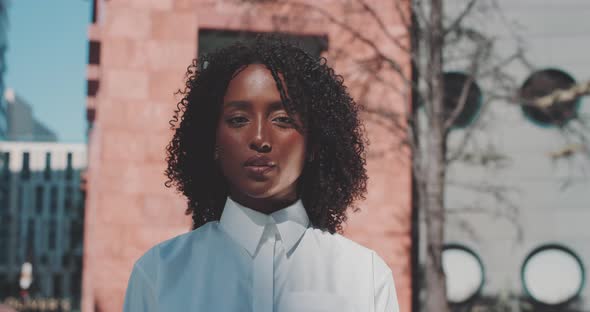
column 430, row 41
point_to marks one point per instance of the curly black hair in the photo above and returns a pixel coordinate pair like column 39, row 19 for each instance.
column 332, row 182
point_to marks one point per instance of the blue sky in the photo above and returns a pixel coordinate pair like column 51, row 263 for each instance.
column 46, row 59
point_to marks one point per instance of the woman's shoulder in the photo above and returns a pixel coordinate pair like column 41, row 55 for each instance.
column 176, row 246
column 351, row 253
column 339, row 243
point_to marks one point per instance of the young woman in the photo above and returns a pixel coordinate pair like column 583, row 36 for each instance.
column 269, row 152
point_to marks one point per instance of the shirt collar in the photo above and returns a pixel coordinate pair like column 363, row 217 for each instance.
column 246, row 225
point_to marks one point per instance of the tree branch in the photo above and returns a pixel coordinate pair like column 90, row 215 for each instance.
column 455, row 25
column 563, row 95
column 466, row 87
column 392, row 63
column 383, row 27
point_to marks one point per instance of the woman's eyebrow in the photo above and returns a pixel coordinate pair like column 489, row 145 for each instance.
column 275, row 106
column 246, row 105
column 237, row 104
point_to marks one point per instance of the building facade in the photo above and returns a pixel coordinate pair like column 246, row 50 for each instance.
column 41, row 218
column 517, row 227
column 21, row 124
column 139, row 52
column 3, row 46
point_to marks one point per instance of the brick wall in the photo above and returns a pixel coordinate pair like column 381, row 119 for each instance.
column 145, row 47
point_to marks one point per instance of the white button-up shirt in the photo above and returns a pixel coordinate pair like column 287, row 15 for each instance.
column 250, row 261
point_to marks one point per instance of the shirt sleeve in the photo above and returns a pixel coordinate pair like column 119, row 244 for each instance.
column 140, row 295
column 385, row 294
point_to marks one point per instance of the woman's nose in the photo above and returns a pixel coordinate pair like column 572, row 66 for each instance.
column 260, row 141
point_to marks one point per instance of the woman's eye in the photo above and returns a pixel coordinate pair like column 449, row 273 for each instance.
column 236, row 121
column 284, row 119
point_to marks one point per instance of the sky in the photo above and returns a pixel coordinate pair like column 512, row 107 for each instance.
column 46, row 60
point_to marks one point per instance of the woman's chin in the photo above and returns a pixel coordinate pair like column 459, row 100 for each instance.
column 257, row 190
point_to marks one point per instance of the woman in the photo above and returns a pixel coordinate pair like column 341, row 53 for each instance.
column 269, row 152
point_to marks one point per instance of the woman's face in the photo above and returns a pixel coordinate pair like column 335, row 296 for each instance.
column 261, row 153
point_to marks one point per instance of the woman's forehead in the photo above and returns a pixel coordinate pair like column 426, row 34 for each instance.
column 253, row 83
column 255, row 80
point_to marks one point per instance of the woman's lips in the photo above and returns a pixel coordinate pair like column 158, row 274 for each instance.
column 259, row 160
column 258, row 171
column 258, row 166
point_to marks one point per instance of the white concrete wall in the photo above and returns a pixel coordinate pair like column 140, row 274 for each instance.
column 556, row 34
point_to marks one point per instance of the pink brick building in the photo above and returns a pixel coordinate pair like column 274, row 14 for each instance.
column 139, row 52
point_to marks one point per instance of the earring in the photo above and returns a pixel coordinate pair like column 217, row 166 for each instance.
column 216, row 153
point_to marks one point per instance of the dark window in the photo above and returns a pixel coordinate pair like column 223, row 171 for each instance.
column 92, row 87
column 545, row 82
column 26, row 170
column 43, row 259
column 39, row 190
column 57, row 286
column 94, row 52
column 79, row 204
column 7, row 288
column 4, row 183
column 69, row 167
column 47, row 172
column 4, row 246
column 4, row 238
column 53, row 200
column 19, row 198
column 213, row 39
column 52, row 234
column 90, row 117
column 66, row 260
column 4, row 198
column 455, row 83
column 76, row 233
column 6, row 165
column 30, row 236
column 94, row 13
column 76, row 280
column 68, row 199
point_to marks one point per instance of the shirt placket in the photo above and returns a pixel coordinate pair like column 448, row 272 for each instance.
column 264, row 273
column 280, row 269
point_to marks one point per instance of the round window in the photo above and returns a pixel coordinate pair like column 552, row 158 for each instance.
column 464, row 273
column 454, row 85
column 542, row 83
column 552, row 275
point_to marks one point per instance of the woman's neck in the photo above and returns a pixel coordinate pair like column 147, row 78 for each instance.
column 265, row 205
